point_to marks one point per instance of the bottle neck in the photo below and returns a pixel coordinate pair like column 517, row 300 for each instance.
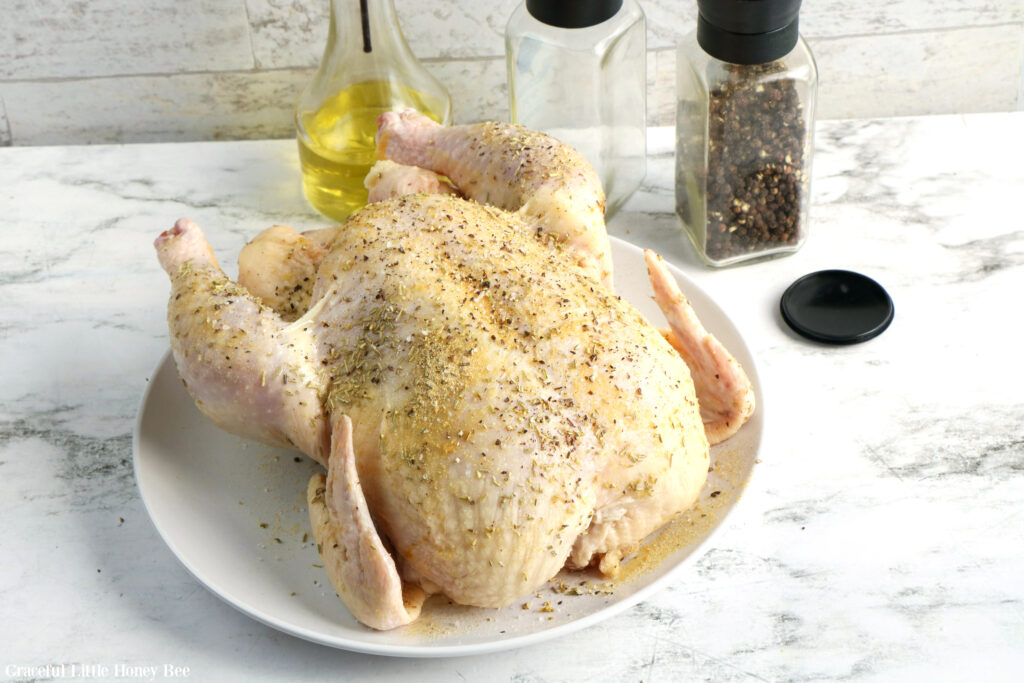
column 361, row 28
column 365, row 46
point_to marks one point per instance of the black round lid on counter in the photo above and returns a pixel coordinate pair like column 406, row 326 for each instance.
column 747, row 31
column 837, row 307
column 573, row 13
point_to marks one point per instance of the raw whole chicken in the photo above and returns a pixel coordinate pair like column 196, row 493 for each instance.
column 487, row 410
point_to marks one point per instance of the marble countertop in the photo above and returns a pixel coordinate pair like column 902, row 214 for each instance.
column 882, row 536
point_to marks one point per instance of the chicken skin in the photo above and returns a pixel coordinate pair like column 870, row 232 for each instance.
column 549, row 184
column 486, row 409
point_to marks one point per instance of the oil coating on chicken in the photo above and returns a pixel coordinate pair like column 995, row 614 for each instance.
column 487, row 410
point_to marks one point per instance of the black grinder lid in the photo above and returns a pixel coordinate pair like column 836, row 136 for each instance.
column 573, row 13
column 747, row 31
column 837, row 307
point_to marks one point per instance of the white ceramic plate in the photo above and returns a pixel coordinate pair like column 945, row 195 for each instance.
column 234, row 512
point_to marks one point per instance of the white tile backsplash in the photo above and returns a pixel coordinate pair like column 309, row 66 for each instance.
column 455, row 29
column 868, row 76
column 287, row 33
column 477, row 87
column 199, row 106
column 133, row 70
column 42, row 39
column 832, row 18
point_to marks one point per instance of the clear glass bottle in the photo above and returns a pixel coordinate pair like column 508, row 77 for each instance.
column 577, row 71
column 367, row 69
column 746, row 92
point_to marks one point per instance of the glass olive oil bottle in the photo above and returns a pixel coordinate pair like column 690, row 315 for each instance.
column 367, row 69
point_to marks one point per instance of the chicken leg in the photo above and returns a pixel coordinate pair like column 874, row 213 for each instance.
column 244, row 366
column 551, row 186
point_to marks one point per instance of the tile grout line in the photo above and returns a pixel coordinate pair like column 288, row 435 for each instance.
column 216, row 72
column 881, row 34
column 155, row 74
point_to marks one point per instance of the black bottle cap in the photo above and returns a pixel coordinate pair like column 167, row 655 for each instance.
column 573, row 13
column 747, row 31
column 837, row 307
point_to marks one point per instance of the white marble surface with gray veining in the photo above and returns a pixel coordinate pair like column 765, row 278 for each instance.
column 882, row 537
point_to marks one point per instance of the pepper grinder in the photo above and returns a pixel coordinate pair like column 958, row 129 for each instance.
column 744, row 130
column 577, row 71
column 367, row 69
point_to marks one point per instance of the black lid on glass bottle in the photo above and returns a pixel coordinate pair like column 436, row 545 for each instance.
column 747, row 31
column 573, row 13
column 837, row 307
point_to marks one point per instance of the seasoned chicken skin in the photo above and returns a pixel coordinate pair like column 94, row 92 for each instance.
column 279, row 267
column 487, row 410
column 547, row 182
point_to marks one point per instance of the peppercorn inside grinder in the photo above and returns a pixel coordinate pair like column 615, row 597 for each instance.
column 746, row 91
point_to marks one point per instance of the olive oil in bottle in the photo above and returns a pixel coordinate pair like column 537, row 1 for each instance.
column 367, row 69
column 336, row 142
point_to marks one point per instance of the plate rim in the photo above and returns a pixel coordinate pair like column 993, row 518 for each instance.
column 513, row 642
